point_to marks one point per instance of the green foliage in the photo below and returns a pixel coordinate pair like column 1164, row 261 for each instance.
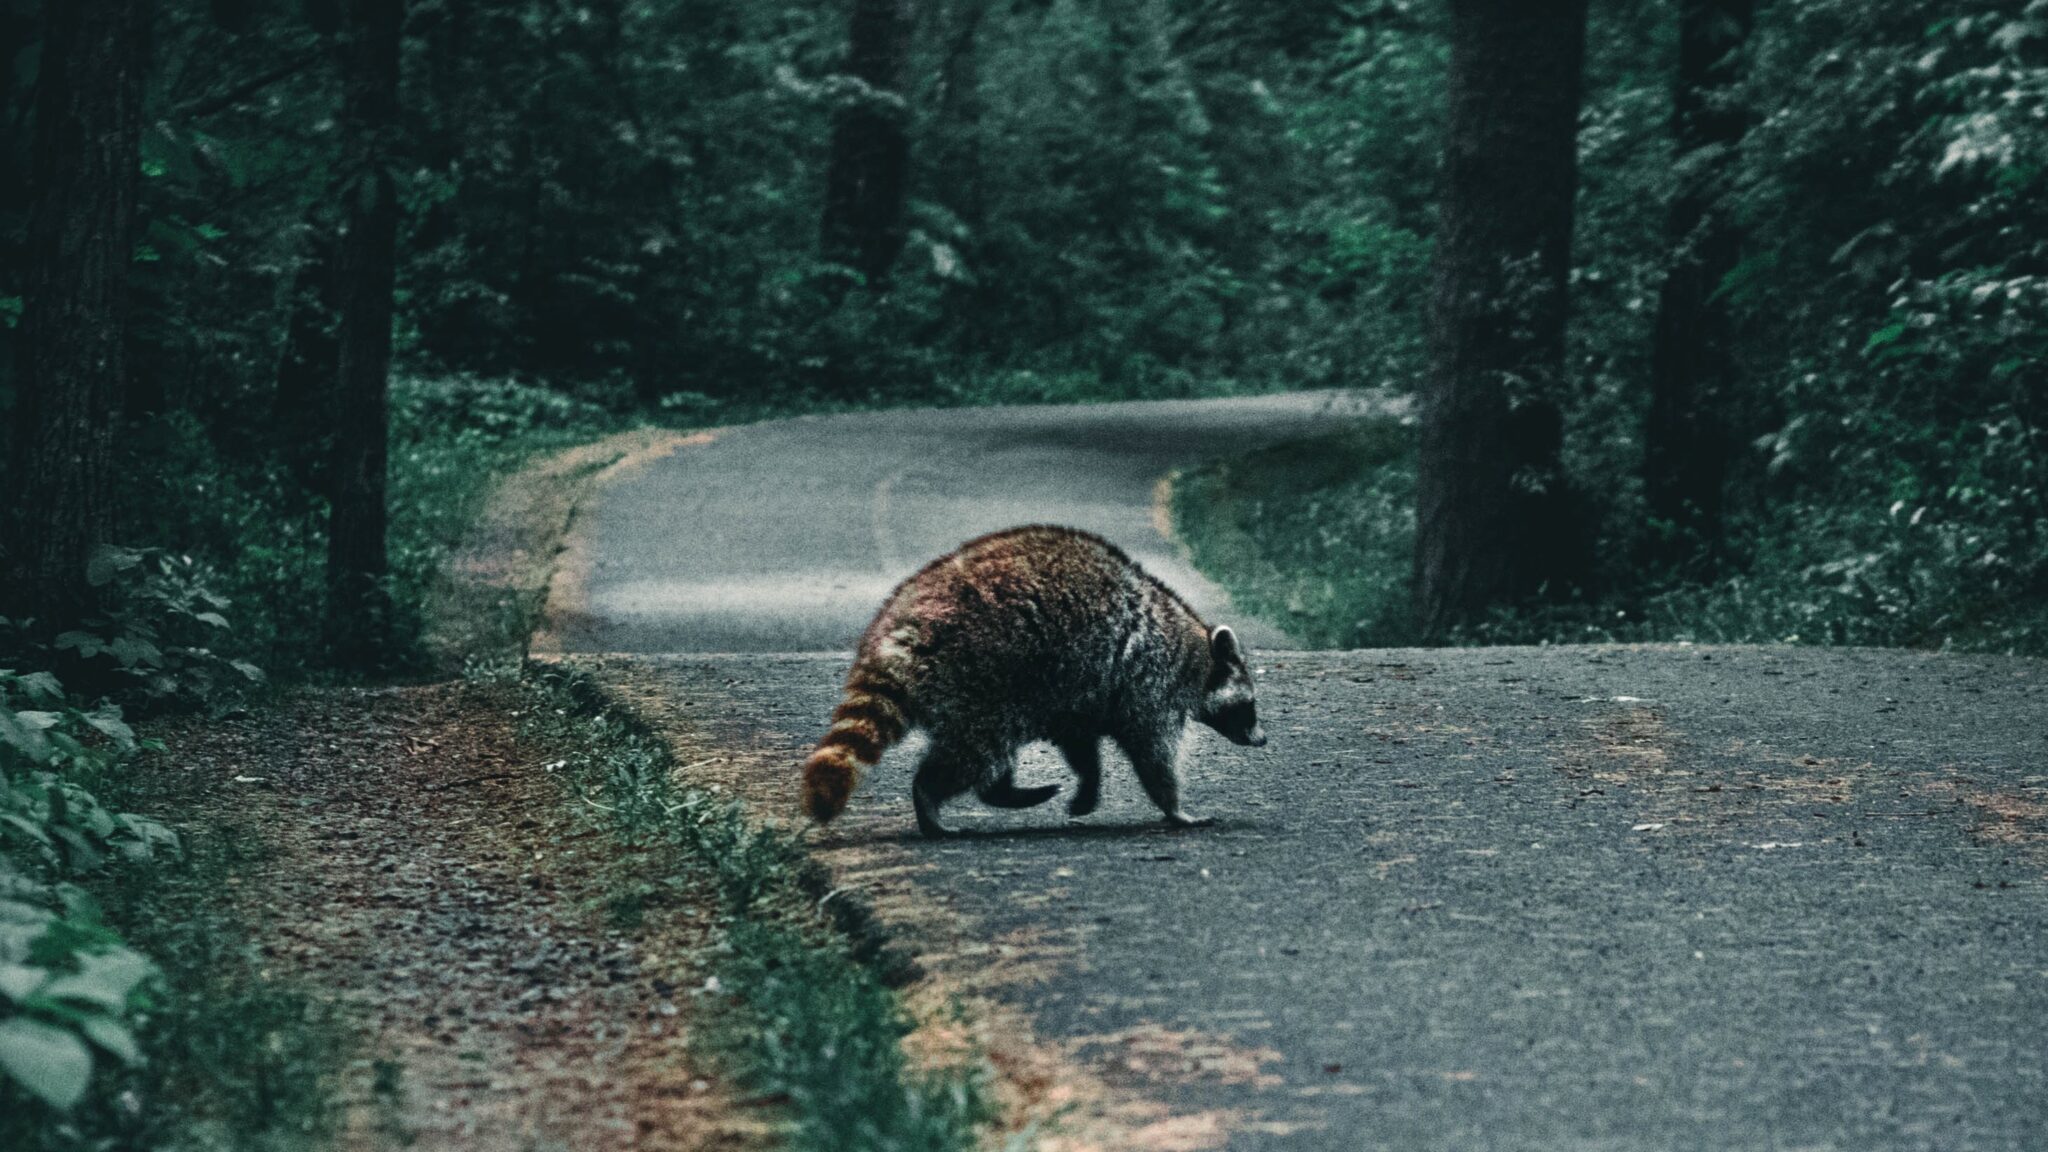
column 130, row 1013
column 158, row 617
column 451, row 440
column 1317, row 535
column 800, row 1012
column 71, row 992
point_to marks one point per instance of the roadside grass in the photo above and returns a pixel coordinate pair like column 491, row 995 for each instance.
column 1315, row 535
column 802, row 1010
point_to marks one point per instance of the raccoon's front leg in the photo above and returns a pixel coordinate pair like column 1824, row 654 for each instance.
column 1155, row 756
column 1084, row 756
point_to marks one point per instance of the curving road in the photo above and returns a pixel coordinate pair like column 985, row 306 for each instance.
column 786, row 536
column 1565, row 898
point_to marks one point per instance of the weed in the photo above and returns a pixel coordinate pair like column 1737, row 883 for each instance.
column 810, row 1019
column 236, row 1056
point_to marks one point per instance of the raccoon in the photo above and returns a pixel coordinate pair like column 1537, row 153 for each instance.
column 1035, row 633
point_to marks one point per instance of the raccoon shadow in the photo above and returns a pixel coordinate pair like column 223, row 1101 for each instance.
column 1068, row 831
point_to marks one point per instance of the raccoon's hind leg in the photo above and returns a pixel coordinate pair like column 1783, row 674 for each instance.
column 1084, row 756
column 1155, row 756
column 1002, row 792
column 948, row 769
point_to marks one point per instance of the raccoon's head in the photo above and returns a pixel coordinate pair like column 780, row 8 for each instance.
column 1228, row 705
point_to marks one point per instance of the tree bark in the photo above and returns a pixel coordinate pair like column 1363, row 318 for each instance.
column 86, row 155
column 303, row 409
column 1685, row 440
column 960, row 109
column 358, row 614
column 870, row 164
column 1494, row 520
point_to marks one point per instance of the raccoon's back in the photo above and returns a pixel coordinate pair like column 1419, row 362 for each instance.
column 1035, row 618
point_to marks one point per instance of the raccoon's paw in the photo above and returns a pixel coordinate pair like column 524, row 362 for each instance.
column 1183, row 820
column 928, row 816
column 1083, row 803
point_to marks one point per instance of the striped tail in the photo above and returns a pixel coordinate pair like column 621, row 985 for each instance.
column 872, row 717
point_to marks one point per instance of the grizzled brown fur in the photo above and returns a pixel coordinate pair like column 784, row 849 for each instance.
column 1037, row 633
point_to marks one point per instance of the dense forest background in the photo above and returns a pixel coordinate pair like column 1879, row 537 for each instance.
column 707, row 208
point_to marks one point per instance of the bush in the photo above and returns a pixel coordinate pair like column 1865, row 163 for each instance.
column 71, row 992
column 226, row 527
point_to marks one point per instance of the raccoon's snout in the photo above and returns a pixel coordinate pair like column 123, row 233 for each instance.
column 1256, row 738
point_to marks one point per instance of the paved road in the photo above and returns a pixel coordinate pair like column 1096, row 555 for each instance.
column 1573, row 898
column 786, row 536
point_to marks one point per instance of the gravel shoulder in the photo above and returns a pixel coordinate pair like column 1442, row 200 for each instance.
column 413, row 863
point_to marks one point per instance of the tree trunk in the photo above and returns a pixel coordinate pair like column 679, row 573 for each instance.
column 358, row 614
column 86, row 159
column 960, row 111
column 307, row 371
column 1685, row 441
column 1494, row 521
column 864, row 185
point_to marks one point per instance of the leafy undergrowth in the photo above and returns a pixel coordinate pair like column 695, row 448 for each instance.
column 256, row 530
column 806, row 1014
column 1318, row 536
column 132, row 1014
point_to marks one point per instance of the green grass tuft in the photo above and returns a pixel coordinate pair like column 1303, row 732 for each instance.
column 810, row 1018
column 1315, row 535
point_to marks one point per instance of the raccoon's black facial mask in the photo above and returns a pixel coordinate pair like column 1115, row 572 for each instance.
column 1239, row 723
column 1228, row 703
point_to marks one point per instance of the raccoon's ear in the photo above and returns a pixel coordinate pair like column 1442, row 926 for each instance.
column 1223, row 645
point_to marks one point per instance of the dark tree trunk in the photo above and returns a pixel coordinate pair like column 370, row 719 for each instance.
column 1494, row 521
column 1685, row 441
column 303, row 403
column 19, row 32
column 231, row 15
column 83, row 173
column 358, row 614
column 960, row 110
column 864, row 186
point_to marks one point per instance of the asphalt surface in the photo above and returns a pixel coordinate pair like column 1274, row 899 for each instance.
column 1558, row 898
column 786, row 536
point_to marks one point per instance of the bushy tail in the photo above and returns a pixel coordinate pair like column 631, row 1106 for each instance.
column 873, row 716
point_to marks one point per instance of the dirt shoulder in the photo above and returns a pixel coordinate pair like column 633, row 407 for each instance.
column 415, row 863
column 522, row 555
